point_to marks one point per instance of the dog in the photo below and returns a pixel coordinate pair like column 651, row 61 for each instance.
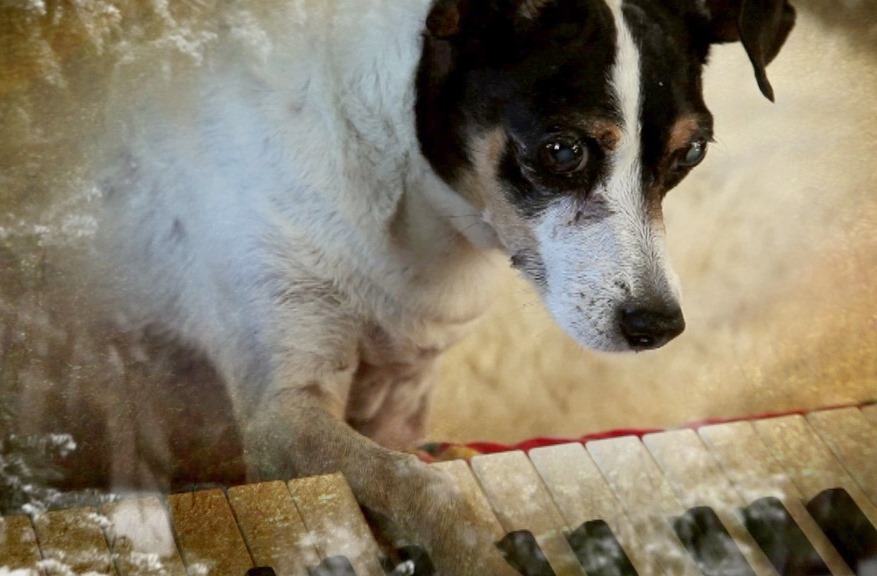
column 319, row 209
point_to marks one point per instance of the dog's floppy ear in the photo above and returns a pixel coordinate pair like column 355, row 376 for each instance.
column 761, row 25
column 447, row 17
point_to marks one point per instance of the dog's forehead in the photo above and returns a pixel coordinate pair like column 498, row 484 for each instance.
column 565, row 75
column 621, row 77
column 565, row 56
column 670, row 66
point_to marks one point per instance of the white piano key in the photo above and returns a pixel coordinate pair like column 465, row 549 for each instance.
column 72, row 541
column 800, row 450
column 272, row 528
column 582, row 495
column 464, row 479
column 208, row 534
column 140, row 537
column 335, row 522
column 466, row 482
column 647, row 498
column 521, row 502
column 19, row 552
column 748, row 463
column 853, row 440
column 698, row 481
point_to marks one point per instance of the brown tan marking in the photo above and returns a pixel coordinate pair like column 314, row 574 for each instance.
column 481, row 187
column 682, row 132
column 605, row 132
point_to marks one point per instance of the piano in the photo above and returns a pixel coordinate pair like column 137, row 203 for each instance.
column 791, row 495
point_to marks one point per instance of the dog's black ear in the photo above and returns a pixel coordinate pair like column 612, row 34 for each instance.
column 761, row 25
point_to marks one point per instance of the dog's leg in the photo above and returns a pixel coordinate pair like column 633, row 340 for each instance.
column 295, row 433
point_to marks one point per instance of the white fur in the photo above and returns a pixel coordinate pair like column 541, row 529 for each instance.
column 272, row 210
column 297, row 179
column 596, row 268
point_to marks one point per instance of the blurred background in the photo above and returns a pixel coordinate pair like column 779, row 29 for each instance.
column 774, row 237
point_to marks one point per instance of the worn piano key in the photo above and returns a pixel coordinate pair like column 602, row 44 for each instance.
column 699, row 482
column 336, row 523
column 462, row 476
column 848, row 529
column 747, row 462
column 18, row 545
column 782, row 540
column 521, row 502
column 411, row 555
column 272, row 528
column 72, row 541
column 853, row 440
column 140, row 537
column 797, row 446
column 646, row 497
column 470, row 491
column 582, row 497
column 208, row 534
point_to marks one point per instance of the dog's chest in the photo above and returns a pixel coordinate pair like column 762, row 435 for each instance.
column 389, row 395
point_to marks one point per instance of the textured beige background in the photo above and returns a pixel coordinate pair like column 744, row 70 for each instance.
column 775, row 243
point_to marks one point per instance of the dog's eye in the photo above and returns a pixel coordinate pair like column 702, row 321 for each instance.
column 693, row 155
column 564, row 156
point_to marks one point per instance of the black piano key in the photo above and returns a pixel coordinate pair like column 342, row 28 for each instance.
column 782, row 540
column 523, row 553
column 334, row 566
column 598, row 550
column 706, row 539
column 261, row 571
column 847, row 528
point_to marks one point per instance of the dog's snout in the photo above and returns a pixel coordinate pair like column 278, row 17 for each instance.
column 649, row 327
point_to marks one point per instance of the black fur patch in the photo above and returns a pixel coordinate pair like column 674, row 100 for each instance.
column 533, row 78
column 486, row 65
column 672, row 56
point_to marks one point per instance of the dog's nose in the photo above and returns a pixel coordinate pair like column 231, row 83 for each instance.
column 648, row 327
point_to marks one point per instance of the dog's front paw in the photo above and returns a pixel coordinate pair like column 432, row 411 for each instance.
column 445, row 513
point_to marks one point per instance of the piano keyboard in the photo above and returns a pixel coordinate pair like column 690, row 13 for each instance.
column 794, row 495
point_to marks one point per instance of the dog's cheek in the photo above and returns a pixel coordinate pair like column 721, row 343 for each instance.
column 484, row 187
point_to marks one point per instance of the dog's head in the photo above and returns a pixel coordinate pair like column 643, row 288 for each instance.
column 565, row 122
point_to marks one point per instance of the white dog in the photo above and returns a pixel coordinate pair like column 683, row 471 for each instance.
column 318, row 210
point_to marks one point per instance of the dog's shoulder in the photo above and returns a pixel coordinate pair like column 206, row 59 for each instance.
column 288, row 157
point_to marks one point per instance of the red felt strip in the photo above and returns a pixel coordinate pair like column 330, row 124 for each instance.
column 434, row 451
